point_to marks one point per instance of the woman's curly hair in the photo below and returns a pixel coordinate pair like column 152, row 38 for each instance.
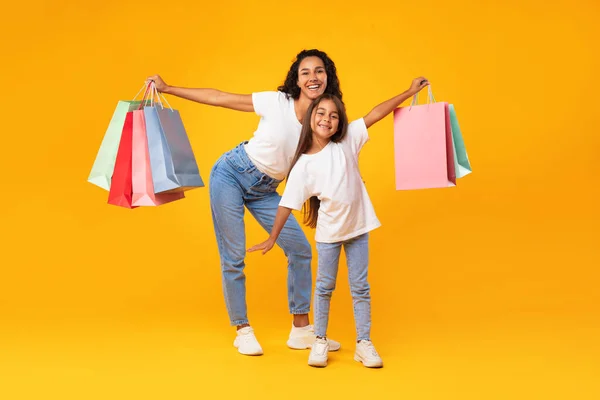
column 290, row 86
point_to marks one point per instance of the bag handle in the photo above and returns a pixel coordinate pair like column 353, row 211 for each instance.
column 430, row 97
column 149, row 94
column 159, row 96
column 145, row 86
column 145, row 97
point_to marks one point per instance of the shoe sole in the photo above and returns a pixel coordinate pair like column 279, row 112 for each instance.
column 248, row 354
column 317, row 364
column 298, row 344
column 366, row 364
column 251, row 354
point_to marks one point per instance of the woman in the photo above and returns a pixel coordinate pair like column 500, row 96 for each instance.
column 249, row 175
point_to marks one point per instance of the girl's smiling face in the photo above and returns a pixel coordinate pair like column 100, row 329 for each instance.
column 325, row 119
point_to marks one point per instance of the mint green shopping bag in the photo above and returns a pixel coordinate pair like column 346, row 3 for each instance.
column 461, row 159
column 104, row 164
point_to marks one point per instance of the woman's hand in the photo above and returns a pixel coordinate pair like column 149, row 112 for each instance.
column 264, row 246
column 161, row 86
column 417, row 84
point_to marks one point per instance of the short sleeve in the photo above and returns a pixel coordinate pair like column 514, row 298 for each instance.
column 264, row 101
column 297, row 189
column 357, row 136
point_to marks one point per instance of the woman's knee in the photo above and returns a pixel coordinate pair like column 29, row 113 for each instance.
column 299, row 250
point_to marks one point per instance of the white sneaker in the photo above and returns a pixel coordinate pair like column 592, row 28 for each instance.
column 246, row 342
column 303, row 338
column 366, row 354
column 318, row 353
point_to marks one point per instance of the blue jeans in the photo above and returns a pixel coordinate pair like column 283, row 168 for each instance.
column 357, row 257
column 235, row 182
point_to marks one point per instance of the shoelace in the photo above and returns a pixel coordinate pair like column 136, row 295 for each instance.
column 370, row 348
column 247, row 337
column 320, row 347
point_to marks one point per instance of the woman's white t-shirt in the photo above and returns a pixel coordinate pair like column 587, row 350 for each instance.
column 333, row 176
column 275, row 140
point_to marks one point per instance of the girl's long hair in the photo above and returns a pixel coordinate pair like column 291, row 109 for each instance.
column 311, row 207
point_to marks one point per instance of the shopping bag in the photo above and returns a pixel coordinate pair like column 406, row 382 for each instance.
column 174, row 167
column 462, row 165
column 423, row 149
column 120, row 188
column 142, row 186
column 104, row 164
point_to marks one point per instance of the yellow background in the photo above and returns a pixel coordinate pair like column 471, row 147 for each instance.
column 484, row 291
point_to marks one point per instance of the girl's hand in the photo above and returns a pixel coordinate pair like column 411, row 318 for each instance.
column 264, row 246
column 418, row 84
column 161, row 86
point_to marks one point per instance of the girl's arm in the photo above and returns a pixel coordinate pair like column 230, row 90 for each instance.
column 383, row 109
column 211, row 97
column 280, row 219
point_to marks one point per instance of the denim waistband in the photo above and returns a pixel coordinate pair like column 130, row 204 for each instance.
column 243, row 163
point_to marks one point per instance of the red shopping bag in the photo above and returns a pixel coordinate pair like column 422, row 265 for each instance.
column 120, row 188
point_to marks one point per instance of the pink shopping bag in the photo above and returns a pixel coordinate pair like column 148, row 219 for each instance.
column 143, row 188
column 423, row 150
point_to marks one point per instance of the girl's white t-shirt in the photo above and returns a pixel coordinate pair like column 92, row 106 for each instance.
column 275, row 140
column 333, row 176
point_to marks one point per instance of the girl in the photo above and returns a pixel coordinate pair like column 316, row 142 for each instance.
column 325, row 178
column 249, row 175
